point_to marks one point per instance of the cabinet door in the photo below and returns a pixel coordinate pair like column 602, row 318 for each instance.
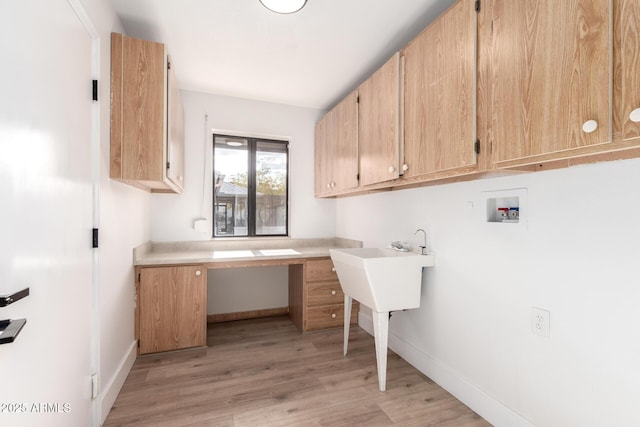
column 344, row 148
column 550, row 75
column 336, row 149
column 378, row 123
column 626, row 55
column 143, row 112
column 175, row 130
column 172, row 308
column 439, row 93
column 322, row 165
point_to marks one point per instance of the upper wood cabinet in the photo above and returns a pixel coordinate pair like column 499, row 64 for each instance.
column 147, row 131
column 549, row 78
column 379, row 124
column 440, row 94
column 336, row 149
column 538, row 83
column 626, row 54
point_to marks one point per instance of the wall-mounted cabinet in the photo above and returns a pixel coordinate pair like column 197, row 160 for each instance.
column 336, row 149
column 147, row 130
column 537, row 84
column 440, row 94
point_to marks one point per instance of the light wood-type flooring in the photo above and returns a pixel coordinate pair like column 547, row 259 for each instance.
column 263, row 372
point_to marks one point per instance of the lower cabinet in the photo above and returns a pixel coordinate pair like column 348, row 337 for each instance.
column 316, row 300
column 172, row 308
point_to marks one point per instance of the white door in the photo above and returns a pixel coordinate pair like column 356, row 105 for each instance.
column 45, row 213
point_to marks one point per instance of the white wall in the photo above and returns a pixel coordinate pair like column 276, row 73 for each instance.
column 232, row 290
column 124, row 224
column 577, row 258
column 172, row 215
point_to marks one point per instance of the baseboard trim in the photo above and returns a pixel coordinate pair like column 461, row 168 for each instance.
column 114, row 385
column 468, row 393
column 242, row 315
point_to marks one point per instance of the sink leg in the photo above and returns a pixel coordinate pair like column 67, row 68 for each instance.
column 381, row 335
column 347, row 322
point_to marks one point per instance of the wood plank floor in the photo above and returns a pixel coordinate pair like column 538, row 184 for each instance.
column 263, row 372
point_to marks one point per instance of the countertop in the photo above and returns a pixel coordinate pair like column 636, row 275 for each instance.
column 236, row 251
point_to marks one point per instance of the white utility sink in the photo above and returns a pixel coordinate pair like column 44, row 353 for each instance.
column 384, row 280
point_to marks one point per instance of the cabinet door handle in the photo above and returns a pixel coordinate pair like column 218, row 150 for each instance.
column 333, row 315
column 333, row 269
column 589, row 126
column 198, row 273
column 333, row 292
column 5, row 300
column 635, row 115
column 392, row 169
column 405, row 167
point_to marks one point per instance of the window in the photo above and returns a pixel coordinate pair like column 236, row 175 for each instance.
column 250, row 187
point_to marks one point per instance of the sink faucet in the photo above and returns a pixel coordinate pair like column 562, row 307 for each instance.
column 423, row 248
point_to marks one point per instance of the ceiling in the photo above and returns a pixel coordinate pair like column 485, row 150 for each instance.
column 311, row 58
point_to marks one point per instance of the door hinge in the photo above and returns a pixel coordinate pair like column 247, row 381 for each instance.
column 476, row 146
column 168, row 65
column 138, row 277
column 357, row 99
column 95, row 90
column 477, row 6
column 168, row 165
column 94, row 386
column 138, row 343
column 358, row 177
column 94, row 238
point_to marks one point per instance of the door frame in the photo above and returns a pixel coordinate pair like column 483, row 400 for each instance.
column 94, row 35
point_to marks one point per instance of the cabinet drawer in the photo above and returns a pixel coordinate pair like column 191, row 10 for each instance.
column 324, row 293
column 329, row 316
column 320, row 270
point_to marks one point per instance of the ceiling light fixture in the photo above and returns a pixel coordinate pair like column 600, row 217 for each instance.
column 284, row 6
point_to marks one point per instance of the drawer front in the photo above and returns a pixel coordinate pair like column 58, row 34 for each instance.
column 320, row 270
column 329, row 316
column 324, row 293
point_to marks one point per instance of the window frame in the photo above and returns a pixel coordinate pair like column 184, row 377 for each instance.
column 252, row 149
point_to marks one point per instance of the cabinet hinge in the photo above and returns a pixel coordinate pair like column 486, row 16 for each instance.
column 138, row 343
column 94, row 238
column 476, row 146
column 358, row 177
column 138, row 277
column 168, row 65
column 94, row 84
column 477, row 5
column 168, row 165
column 358, row 99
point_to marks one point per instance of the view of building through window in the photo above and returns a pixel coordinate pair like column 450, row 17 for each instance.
column 250, row 187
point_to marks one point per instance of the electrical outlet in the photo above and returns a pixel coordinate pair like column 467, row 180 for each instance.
column 540, row 320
